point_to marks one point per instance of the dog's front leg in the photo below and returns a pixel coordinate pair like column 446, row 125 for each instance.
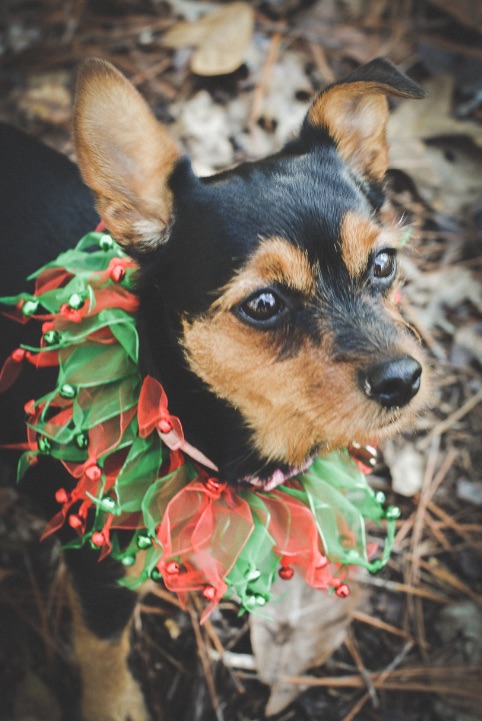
column 101, row 636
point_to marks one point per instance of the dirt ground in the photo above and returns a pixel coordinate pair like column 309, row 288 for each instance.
column 414, row 650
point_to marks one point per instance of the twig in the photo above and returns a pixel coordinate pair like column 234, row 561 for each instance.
column 266, row 75
column 351, row 645
column 443, row 574
column 452, row 419
column 204, row 657
column 381, row 625
column 463, row 530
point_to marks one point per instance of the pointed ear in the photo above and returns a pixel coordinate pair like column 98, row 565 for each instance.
column 354, row 112
column 125, row 155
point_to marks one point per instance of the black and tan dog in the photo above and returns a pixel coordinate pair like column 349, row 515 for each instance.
column 266, row 299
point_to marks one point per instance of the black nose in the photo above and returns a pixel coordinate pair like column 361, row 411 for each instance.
column 392, row 383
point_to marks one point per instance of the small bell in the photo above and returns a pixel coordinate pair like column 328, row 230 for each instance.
column 106, row 243
column 29, row 307
column 343, row 590
column 173, row 568
column 51, row 337
column 68, row 391
column 107, row 504
column 117, row 273
column 143, row 541
column 94, row 472
column 81, row 441
column 209, row 593
column 75, row 521
column 76, row 302
column 393, row 513
column 61, row 495
column 19, row 355
column 286, row 573
column 98, row 538
column 44, row 444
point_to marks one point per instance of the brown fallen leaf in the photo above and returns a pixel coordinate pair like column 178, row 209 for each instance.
column 304, row 628
column 430, row 145
column 220, row 38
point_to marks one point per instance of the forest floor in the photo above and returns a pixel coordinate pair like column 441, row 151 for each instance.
column 414, row 650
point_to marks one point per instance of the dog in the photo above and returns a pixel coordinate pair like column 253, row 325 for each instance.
column 266, row 303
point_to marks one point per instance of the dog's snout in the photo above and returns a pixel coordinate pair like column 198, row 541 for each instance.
column 392, row 383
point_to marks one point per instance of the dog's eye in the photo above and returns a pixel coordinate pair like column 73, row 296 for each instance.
column 384, row 264
column 263, row 308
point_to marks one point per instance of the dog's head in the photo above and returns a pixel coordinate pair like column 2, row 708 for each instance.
column 267, row 291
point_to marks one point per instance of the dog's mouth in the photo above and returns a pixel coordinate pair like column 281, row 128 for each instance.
column 277, row 477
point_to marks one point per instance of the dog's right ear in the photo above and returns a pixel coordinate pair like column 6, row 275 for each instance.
column 125, row 155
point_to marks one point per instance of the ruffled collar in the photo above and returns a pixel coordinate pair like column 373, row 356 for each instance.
column 132, row 470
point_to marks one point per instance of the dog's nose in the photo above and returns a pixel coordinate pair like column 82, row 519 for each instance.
column 392, row 383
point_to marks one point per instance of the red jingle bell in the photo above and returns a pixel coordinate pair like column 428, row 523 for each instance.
column 209, row 593
column 75, row 521
column 117, row 273
column 286, row 572
column 19, row 355
column 29, row 408
column 343, row 590
column 94, row 472
column 61, row 495
column 98, row 538
column 164, row 425
column 173, row 568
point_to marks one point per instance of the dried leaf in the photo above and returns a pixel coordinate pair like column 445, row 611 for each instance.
column 304, row 628
column 406, row 466
column 221, row 38
column 423, row 143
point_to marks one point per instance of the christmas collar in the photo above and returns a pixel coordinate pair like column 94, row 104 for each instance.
column 133, row 470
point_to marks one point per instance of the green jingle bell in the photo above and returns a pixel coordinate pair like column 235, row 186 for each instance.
column 143, row 541
column 106, row 243
column 76, row 302
column 393, row 513
column 380, row 497
column 107, row 504
column 252, row 575
column 256, row 600
column 128, row 560
column 44, row 444
column 81, row 441
column 51, row 337
column 29, row 307
column 156, row 575
column 67, row 390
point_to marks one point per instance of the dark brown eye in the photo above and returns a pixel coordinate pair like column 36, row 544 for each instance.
column 263, row 308
column 384, row 264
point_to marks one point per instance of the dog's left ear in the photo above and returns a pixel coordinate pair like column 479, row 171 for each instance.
column 125, row 155
column 354, row 112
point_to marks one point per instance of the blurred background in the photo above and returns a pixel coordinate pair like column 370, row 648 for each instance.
column 233, row 82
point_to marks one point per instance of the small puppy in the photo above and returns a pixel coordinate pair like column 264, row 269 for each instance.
column 265, row 303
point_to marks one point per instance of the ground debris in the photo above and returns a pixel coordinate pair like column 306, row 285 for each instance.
column 414, row 649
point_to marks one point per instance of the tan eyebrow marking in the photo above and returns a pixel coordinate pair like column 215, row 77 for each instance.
column 275, row 261
column 358, row 236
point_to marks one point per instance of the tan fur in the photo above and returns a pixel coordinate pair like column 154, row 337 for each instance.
column 276, row 261
column 109, row 691
column 126, row 156
column 293, row 403
column 358, row 236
